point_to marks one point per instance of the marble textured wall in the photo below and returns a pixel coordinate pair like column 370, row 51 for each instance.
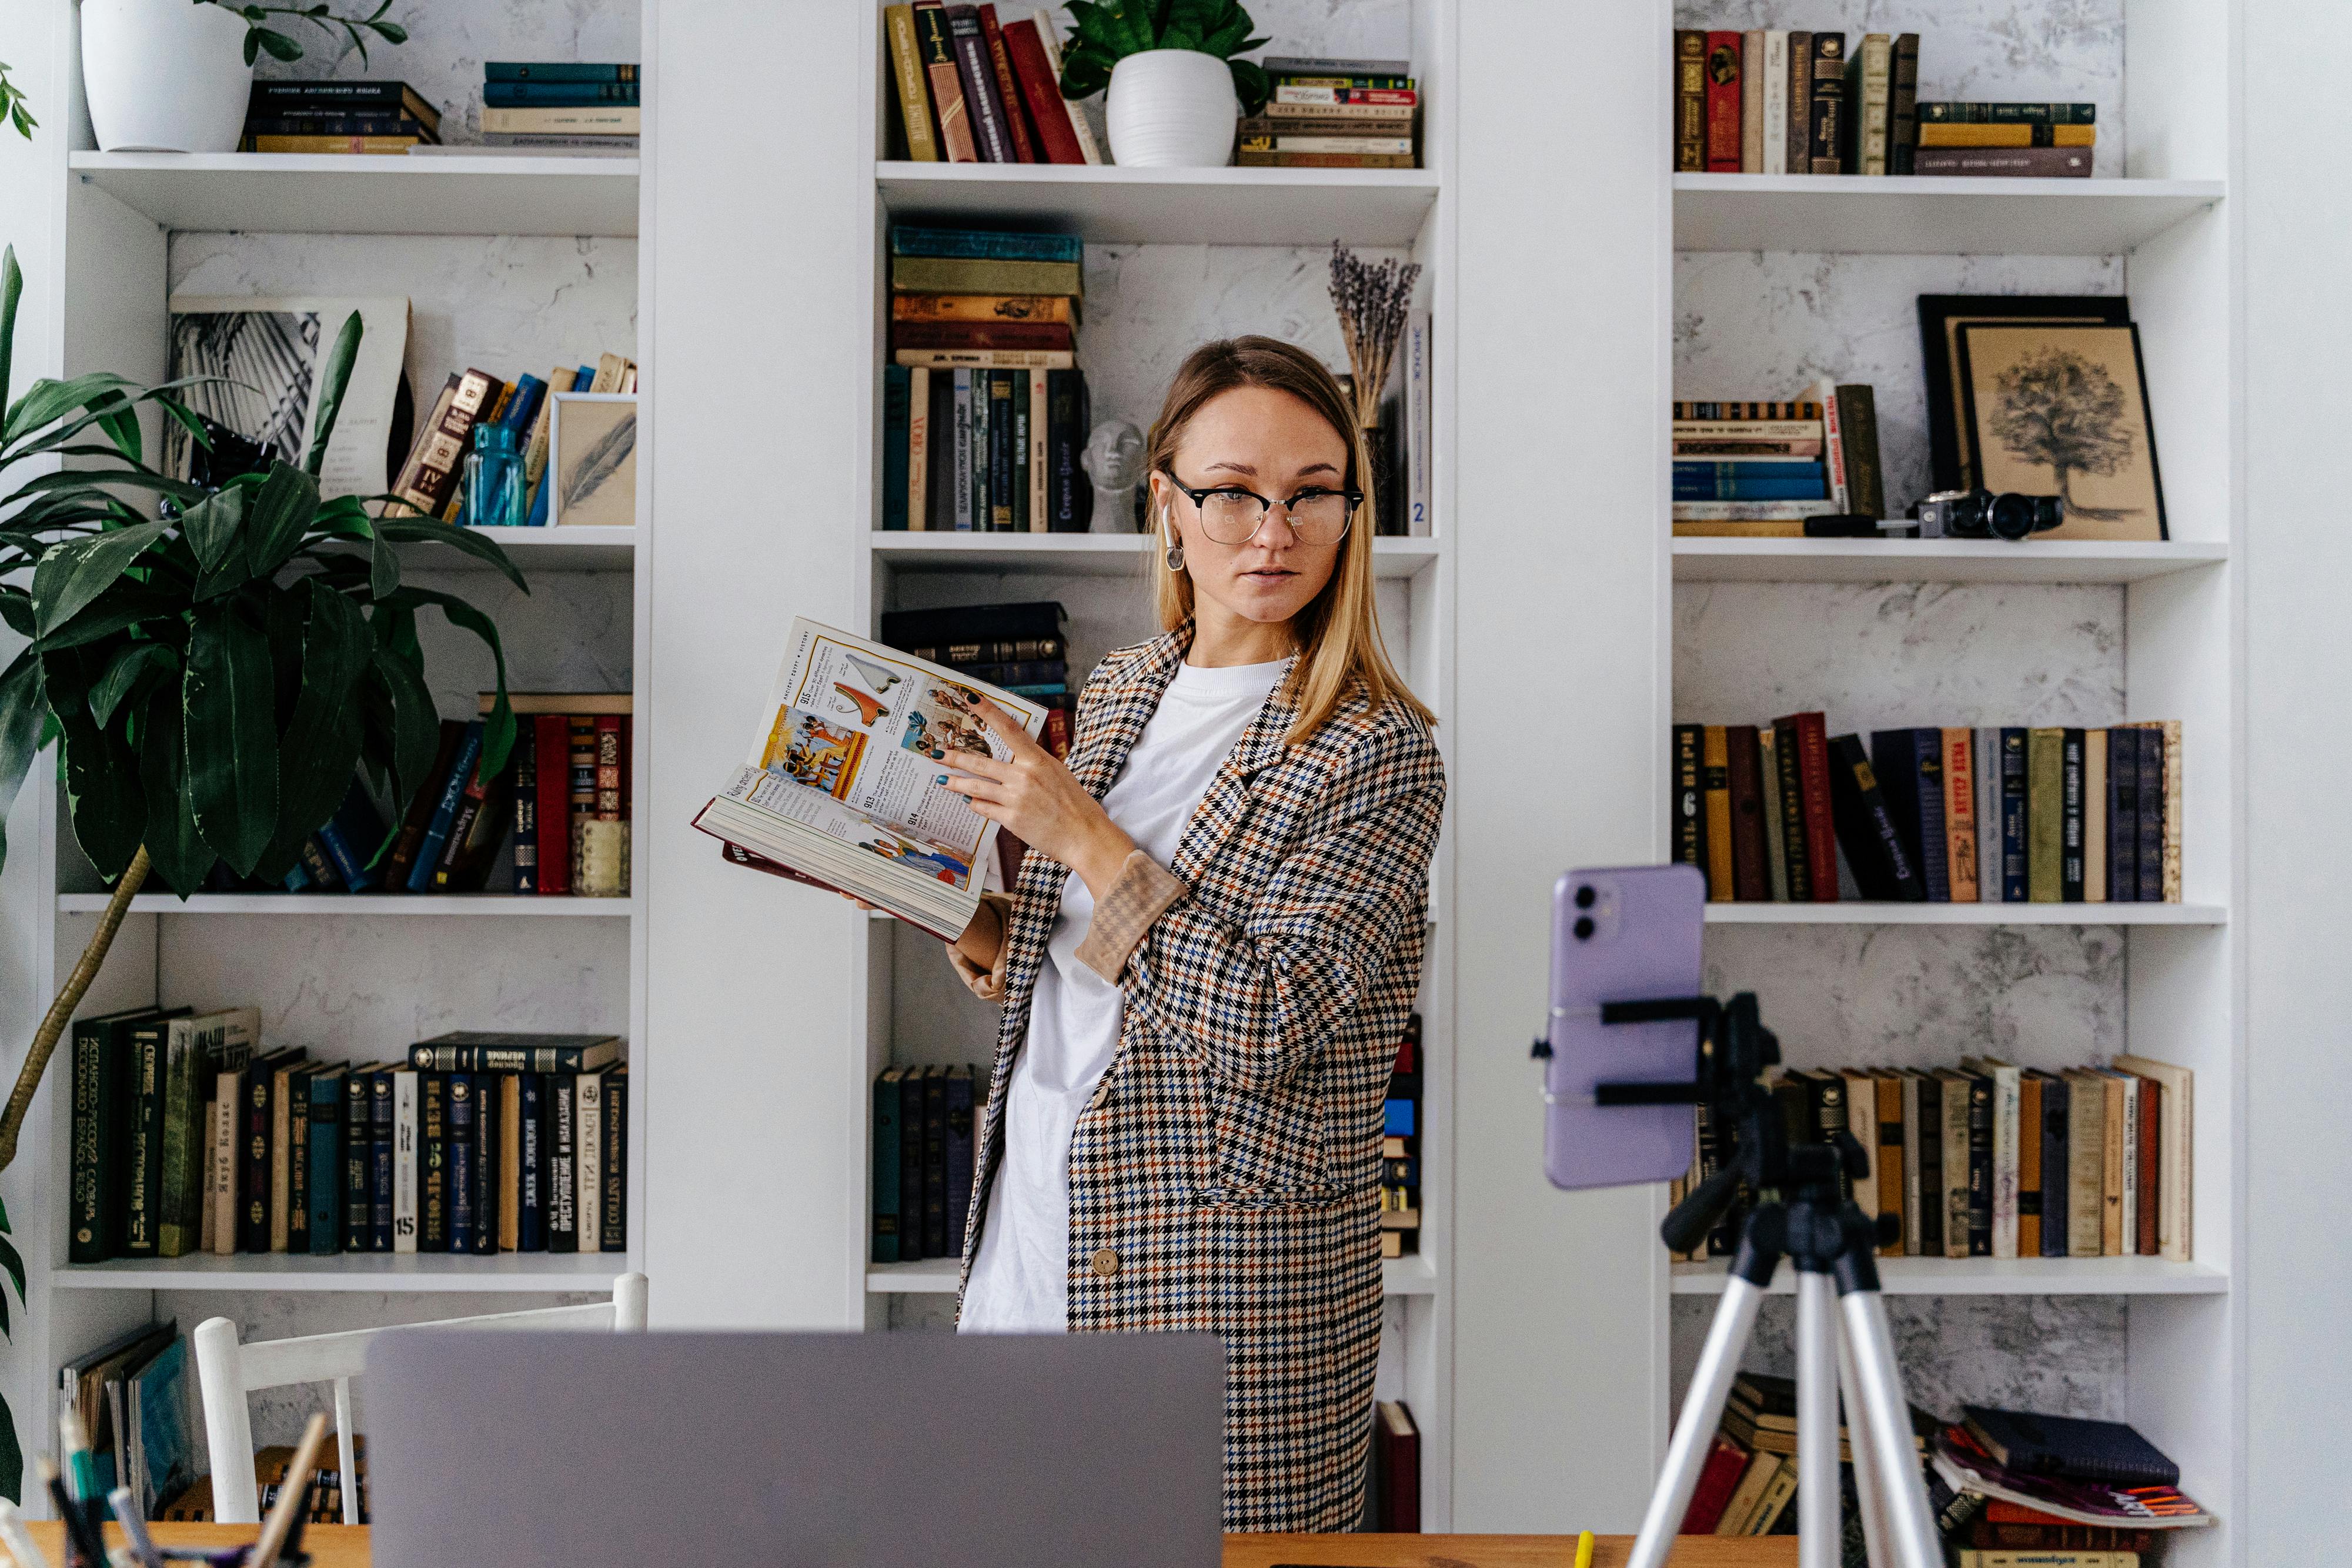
column 2071, row 51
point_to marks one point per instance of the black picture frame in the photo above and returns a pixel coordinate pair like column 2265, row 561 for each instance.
column 1950, row 449
column 2139, row 385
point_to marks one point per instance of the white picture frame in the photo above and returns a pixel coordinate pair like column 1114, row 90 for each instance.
column 591, row 460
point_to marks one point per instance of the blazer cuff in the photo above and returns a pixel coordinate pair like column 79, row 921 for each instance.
column 1143, row 893
column 988, row 984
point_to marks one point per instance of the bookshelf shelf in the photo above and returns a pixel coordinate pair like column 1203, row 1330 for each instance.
column 1936, row 560
column 1110, row 205
column 1088, row 555
column 370, row 904
column 937, row 1276
column 2000, row 1277
column 335, row 193
column 1930, row 215
column 1859, row 913
column 535, row 550
column 585, row 1271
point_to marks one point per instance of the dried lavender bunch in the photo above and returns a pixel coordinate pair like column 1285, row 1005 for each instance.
column 1371, row 301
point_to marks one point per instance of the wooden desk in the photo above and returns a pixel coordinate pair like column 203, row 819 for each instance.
column 341, row 1546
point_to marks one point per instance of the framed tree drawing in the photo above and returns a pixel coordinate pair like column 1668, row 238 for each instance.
column 2061, row 410
column 1951, row 455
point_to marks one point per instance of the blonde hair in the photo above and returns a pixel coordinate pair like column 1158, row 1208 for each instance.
column 1338, row 632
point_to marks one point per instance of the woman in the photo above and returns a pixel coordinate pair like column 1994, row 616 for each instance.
column 1211, row 952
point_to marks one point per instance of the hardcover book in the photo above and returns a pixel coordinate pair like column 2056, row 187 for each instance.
column 1882, row 863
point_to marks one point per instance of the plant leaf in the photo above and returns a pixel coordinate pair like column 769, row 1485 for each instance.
column 12, row 288
column 498, row 726
column 73, row 573
column 415, row 726
column 1250, row 84
column 278, row 45
column 23, row 707
column 332, row 385
column 383, row 566
column 232, row 735
column 103, row 792
column 320, row 747
column 133, row 665
column 126, row 603
column 12, row 1458
column 47, row 399
column 471, row 541
column 210, row 526
column 289, row 499
column 175, row 849
column 1084, row 72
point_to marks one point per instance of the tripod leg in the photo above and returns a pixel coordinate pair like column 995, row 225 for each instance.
column 1818, row 1541
column 1873, row 1502
column 1726, row 1342
column 1903, row 1490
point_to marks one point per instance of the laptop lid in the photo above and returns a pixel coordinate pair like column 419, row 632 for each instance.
column 926, row 1450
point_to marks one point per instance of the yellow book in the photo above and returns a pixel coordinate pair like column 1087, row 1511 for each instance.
column 906, row 70
column 396, row 146
column 2009, row 135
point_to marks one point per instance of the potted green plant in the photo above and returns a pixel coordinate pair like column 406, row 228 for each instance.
column 1176, row 91
column 213, row 677
column 174, row 75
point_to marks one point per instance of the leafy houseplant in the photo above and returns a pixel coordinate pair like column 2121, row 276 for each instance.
column 214, row 677
column 1169, row 105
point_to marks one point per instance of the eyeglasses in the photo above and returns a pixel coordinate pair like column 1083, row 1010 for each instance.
column 1232, row 515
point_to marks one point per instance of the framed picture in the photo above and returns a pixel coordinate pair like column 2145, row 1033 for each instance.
column 2061, row 410
column 591, row 460
column 1951, row 455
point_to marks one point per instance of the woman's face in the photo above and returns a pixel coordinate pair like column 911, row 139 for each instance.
column 1272, row 443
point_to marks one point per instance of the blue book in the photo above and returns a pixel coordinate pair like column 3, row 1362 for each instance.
column 296, row 879
column 894, row 392
column 531, row 1209
column 162, row 1420
column 380, row 1138
column 522, row 405
column 559, row 70
column 326, row 1146
column 2057, row 1094
column 2012, row 816
column 1399, row 1122
column 985, row 245
column 350, row 838
column 1738, row 481
column 559, row 94
column 465, row 1130
column 445, row 814
column 580, row 379
column 1910, row 767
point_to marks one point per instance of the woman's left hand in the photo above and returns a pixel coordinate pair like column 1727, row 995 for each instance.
column 1033, row 794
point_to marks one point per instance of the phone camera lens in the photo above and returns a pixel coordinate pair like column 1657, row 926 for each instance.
column 1583, row 928
column 1585, row 898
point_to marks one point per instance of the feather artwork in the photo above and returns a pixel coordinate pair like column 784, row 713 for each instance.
column 599, row 463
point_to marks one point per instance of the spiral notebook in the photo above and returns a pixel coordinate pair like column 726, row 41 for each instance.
column 2071, row 1447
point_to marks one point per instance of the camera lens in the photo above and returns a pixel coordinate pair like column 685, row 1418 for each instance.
column 1585, row 898
column 1583, row 927
column 2011, row 516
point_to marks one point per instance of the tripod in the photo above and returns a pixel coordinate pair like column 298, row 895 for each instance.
column 1807, row 1215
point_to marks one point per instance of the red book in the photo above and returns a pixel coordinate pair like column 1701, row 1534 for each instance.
column 1723, row 102
column 1812, row 733
column 2151, row 1098
column 552, row 744
column 1041, row 95
column 1057, row 732
column 1716, row 1481
column 1397, row 1442
column 981, row 335
column 1016, row 122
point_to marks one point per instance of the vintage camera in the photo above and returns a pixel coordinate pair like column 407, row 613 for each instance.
column 1982, row 515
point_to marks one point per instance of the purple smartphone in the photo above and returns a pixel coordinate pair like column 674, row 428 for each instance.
column 1622, row 935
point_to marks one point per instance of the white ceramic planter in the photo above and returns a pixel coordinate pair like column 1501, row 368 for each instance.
column 1172, row 108
column 164, row 76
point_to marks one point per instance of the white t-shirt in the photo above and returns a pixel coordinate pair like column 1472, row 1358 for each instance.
column 1020, row 1279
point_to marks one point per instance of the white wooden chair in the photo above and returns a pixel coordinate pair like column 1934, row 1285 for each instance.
column 228, row 1371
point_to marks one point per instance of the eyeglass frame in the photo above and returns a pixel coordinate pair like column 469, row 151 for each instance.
column 1266, row 506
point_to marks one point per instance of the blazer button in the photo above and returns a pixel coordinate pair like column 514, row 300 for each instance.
column 1102, row 1093
column 1106, row 1261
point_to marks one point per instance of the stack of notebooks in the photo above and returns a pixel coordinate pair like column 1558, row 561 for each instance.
column 1335, row 114
column 429, row 483
column 560, row 106
column 1401, row 1150
column 1749, row 1484
column 1757, row 470
column 974, row 89
column 984, row 409
column 1991, row 1160
column 363, row 117
column 2058, row 1490
column 136, row 1398
column 187, row 1138
column 1774, row 102
column 1788, row 814
column 923, row 1120
column 1018, row 647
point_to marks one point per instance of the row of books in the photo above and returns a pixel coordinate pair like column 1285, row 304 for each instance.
column 1748, row 1485
column 1785, row 812
column 363, row 117
column 1334, row 114
column 188, row 1138
column 1991, row 1160
column 471, row 401
column 989, row 641
column 561, row 105
column 137, row 1408
column 1776, row 102
column 923, row 1123
column 1401, row 1150
column 972, row 90
column 1758, row 468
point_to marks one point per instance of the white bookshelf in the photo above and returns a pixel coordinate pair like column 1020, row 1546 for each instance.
column 1101, row 577
column 291, row 193
column 361, row 905
column 2171, row 236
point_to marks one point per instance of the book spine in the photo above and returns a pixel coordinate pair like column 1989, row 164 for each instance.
column 1800, row 103
column 447, row 870
column 87, row 1242
column 960, row 1091
column 1070, row 493
column 1040, row 93
column 1959, row 1153
column 253, row 1172
column 2007, row 162
column 2070, row 816
column 1858, row 424
column 983, row 275
column 1002, row 439
column 1887, row 1091
column 1825, row 124
column 918, row 501
column 1873, row 82
column 1960, row 814
column 1690, row 102
column 1867, row 830
column 1751, row 101
column 2122, row 815
column 142, row 1191
column 2151, row 856
column 894, row 417
column 885, row 1153
column 2016, row 816
column 1032, row 487
column 429, row 850
column 550, row 739
column 935, row 47
column 1750, row 861
column 1833, row 449
column 907, row 74
column 2056, row 1092
column 2045, row 815
column 935, row 1164
column 1903, row 104
column 465, row 1128
column 563, row 1159
column 405, row 1161
column 590, row 1160
column 433, row 1183
column 959, row 479
column 984, row 382
column 530, row 1157
column 429, row 478
column 2148, row 1130
column 326, row 1166
column 615, row 1226
column 2008, row 1159
column 979, row 86
column 1050, row 41
column 489, row 1130
column 359, row 1160
column 2019, row 135
column 2085, row 1160
column 911, row 1248
column 1930, row 1228
column 1820, row 827
column 1686, row 806
column 509, row 1172
column 1942, row 111
column 1787, row 743
column 2117, row 1147
column 1723, row 51
column 1715, row 787
column 2095, row 816
column 381, row 1179
column 179, row 1215
column 1007, row 90
column 1924, row 763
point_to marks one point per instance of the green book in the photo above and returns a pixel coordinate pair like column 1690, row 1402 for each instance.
column 143, row 1179
column 195, row 1049
column 2045, row 814
column 102, row 1105
column 887, row 1156
column 981, row 275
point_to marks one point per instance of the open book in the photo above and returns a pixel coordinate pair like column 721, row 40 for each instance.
column 846, row 784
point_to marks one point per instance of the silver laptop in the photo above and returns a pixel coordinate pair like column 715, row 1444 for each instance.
column 903, row 1450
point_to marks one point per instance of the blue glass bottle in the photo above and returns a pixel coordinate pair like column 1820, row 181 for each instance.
column 494, row 487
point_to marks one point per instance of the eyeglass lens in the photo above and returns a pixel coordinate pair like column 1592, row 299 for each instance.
column 1232, row 517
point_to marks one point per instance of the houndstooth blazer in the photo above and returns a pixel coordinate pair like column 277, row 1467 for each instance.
column 1225, row 1177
